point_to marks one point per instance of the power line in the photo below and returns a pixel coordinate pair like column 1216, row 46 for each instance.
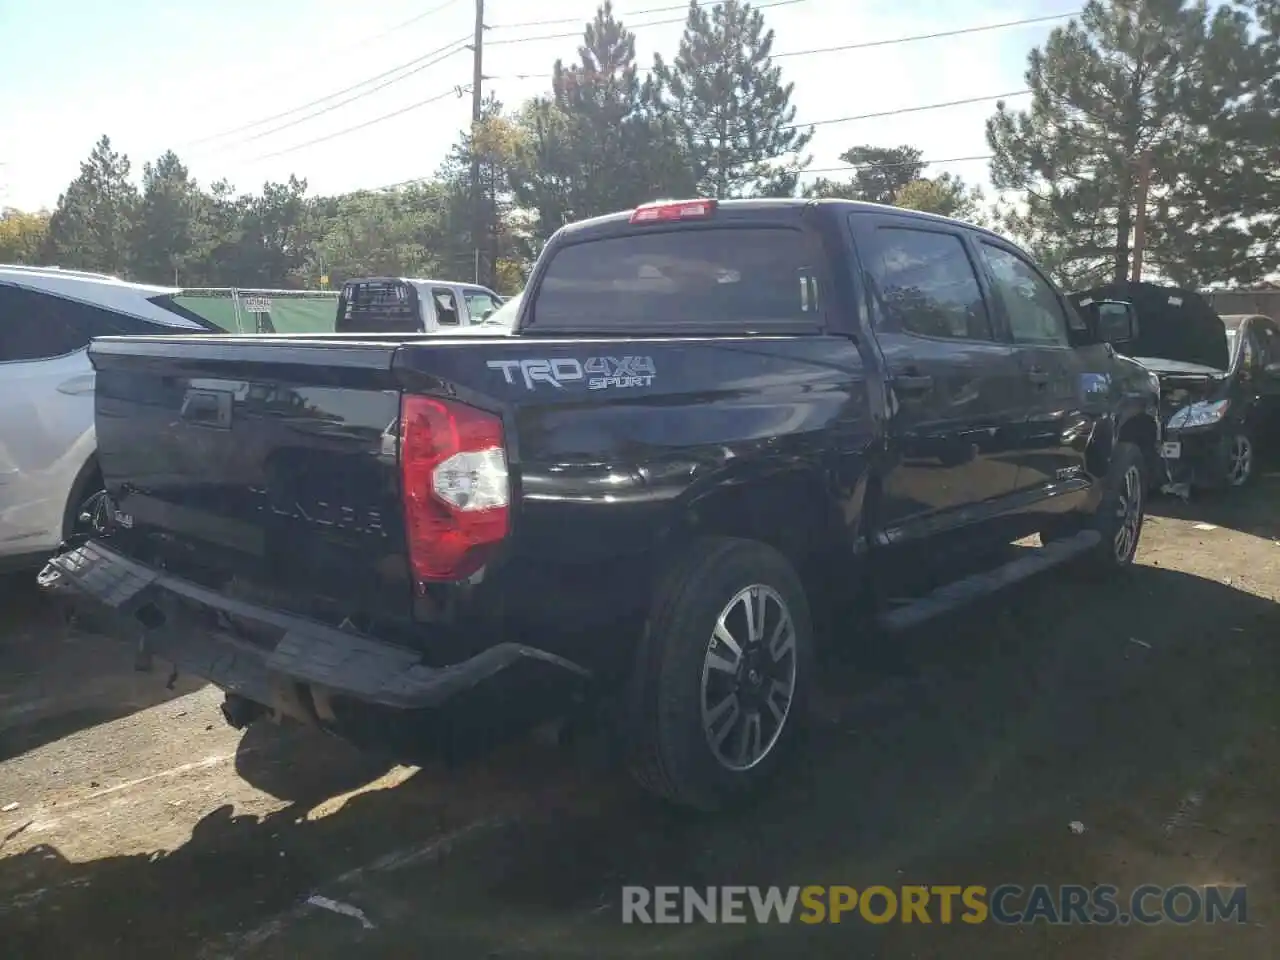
column 342, row 103
column 900, row 110
column 400, row 26
column 456, row 91
column 854, row 168
column 625, row 13
column 356, row 45
column 925, row 36
column 849, row 168
column 336, row 93
column 816, row 123
column 638, row 26
column 891, row 41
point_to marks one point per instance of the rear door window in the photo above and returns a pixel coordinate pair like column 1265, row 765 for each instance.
column 746, row 278
column 926, row 285
column 446, row 306
column 39, row 326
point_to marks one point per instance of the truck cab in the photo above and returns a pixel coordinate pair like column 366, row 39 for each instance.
column 407, row 305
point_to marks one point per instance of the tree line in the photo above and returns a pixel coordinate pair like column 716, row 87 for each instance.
column 1190, row 90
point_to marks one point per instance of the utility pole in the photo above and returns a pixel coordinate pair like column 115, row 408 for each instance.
column 477, row 196
column 1140, row 221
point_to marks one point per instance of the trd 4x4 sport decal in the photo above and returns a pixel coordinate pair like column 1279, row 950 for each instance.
column 600, row 373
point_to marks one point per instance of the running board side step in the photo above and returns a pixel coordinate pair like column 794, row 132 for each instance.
column 959, row 592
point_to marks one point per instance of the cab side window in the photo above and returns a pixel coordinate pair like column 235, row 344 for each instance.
column 1036, row 314
column 925, row 284
column 446, row 307
column 478, row 304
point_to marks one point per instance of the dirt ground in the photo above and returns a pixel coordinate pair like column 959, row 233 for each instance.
column 1146, row 709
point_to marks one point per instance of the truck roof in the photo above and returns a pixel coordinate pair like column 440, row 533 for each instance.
column 781, row 209
column 421, row 282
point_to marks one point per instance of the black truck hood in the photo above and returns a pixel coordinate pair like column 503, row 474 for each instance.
column 1163, row 368
column 1174, row 325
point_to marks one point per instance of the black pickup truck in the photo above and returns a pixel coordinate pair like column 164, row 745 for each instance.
column 709, row 420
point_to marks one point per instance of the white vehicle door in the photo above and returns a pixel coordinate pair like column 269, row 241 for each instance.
column 46, row 420
column 427, row 307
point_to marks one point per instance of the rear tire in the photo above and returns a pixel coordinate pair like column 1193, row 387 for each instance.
column 87, row 495
column 719, row 693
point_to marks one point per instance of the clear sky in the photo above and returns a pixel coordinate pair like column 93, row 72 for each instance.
column 158, row 74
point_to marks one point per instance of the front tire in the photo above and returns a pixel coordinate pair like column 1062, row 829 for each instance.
column 1240, row 454
column 720, row 690
column 1121, row 512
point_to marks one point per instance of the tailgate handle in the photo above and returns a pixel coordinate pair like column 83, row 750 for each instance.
column 208, row 408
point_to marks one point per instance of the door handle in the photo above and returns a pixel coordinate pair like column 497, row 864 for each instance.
column 1037, row 376
column 913, row 383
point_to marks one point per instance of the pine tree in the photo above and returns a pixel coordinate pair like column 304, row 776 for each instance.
column 92, row 225
column 1255, row 122
column 593, row 148
column 728, row 104
column 1128, row 77
column 881, row 172
column 946, row 195
column 497, row 143
column 172, row 231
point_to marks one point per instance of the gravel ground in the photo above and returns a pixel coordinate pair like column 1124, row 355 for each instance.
column 1145, row 710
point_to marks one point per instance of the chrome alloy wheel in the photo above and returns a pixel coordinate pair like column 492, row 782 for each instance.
column 748, row 677
column 1240, row 460
column 1129, row 514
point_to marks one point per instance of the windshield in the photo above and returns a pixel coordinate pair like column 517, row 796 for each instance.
column 505, row 315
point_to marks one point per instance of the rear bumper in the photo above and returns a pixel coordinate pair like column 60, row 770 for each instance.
column 307, row 666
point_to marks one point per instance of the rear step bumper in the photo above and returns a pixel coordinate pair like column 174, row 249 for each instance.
column 172, row 618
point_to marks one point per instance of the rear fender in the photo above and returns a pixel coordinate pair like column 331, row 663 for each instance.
column 801, row 513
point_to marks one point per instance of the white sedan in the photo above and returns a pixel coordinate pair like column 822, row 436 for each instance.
column 49, row 477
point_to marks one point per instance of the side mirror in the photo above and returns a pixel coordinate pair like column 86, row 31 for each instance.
column 1117, row 321
column 485, row 315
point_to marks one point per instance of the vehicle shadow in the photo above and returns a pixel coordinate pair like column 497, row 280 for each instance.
column 1254, row 509
column 303, row 765
column 1062, row 698
column 56, row 680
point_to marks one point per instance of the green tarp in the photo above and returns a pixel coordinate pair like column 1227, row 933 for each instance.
column 286, row 315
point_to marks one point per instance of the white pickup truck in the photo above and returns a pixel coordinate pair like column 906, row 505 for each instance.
column 407, row 305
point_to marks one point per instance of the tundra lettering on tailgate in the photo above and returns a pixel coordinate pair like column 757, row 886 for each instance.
column 600, row 373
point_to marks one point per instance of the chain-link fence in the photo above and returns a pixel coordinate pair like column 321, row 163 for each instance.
column 242, row 310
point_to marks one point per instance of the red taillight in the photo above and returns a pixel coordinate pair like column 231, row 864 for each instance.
column 457, row 499
column 673, row 210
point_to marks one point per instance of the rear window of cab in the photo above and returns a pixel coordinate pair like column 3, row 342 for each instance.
column 745, row 277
